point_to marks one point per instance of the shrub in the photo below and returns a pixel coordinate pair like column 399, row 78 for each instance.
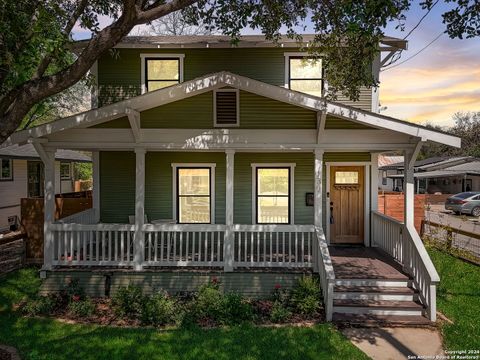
column 82, row 308
column 280, row 295
column 158, row 309
column 263, row 308
column 279, row 313
column 128, row 301
column 236, row 309
column 43, row 305
column 305, row 296
column 208, row 304
column 73, row 291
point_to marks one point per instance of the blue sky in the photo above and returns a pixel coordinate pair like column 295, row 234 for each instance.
column 432, row 86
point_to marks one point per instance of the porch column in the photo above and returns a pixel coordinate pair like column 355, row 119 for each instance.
column 96, row 184
column 374, row 183
column 48, row 157
column 228, row 244
column 409, row 188
column 318, row 219
column 139, row 242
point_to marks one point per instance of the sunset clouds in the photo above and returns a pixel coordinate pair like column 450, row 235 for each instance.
column 439, row 82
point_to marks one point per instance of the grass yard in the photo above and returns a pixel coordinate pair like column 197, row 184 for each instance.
column 458, row 297
column 39, row 338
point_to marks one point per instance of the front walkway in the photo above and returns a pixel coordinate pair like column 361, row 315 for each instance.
column 396, row 343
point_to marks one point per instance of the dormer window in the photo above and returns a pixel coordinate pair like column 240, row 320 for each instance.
column 304, row 74
column 226, row 110
column 161, row 70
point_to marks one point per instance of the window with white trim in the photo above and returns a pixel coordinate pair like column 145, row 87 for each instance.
column 226, row 110
column 273, row 194
column 305, row 75
column 161, row 70
column 6, row 172
column 65, row 171
column 194, row 193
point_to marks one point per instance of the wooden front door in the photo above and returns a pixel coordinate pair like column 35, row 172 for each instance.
column 347, row 197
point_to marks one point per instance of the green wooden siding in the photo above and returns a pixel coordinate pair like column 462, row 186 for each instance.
column 117, row 186
column 339, row 123
column 196, row 112
column 117, row 182
column 119, row 72
column 303, row 183
column 252, row 284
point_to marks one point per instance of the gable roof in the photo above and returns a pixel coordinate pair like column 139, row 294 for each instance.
column 223, row 41
column 386, row 160
column 433, row 163
column 467, row 168
column 28, row 152
column 221, row 79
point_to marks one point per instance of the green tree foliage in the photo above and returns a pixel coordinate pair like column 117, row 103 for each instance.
column 38, row 58
column 467, row 127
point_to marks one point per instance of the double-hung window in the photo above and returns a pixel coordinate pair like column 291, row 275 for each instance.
column 6, row 172
column 273, row 194
column 305, row 75
column 194, row 194
column 160, row 71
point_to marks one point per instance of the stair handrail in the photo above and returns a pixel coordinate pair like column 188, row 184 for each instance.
column 325, row 271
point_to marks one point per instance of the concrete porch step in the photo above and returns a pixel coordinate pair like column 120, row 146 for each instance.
column 377, row 307
column 372, row 320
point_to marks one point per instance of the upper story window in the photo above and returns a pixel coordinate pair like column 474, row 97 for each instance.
column 65, row 171
column 304, row 74
column 226, row 107
column 6, row 172
column 161, row 70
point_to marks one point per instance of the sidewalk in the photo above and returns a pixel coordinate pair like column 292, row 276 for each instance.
column 395, row 343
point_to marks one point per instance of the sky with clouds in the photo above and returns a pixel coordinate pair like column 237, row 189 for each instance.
column 433, row 85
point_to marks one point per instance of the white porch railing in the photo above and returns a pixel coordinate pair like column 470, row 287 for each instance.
column 325, row 270
column 82, row 217
column 408, row 249
column 97, row 244
column 184, row 245
column 273, row 245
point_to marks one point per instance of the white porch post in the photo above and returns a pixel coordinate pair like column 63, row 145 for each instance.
column 409, row 188
column 139, row 242
column 48, row 157
column 228, row 244
column 96, row 184
column 317, row 202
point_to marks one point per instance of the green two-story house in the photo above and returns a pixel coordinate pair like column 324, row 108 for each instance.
column 214, row 160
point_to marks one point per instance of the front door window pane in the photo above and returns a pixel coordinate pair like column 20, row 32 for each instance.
column 346, row 177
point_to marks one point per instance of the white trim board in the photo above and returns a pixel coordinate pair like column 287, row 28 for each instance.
column 291, row 188
column 215, row 81
column 212, row 166
column 366, row 200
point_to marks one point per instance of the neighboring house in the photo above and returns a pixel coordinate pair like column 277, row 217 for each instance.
column 446, row 175
column 22, row 176
column 385, row 171
column 229, row 159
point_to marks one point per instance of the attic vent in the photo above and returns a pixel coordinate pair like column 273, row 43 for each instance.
column 226, row 107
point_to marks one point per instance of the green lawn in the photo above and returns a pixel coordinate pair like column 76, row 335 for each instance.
column 458, row 297
column 51, row 339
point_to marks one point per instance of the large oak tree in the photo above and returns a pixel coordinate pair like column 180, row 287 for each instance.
column 37, row 62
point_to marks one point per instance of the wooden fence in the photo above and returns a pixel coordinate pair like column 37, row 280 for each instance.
column 33, row 217
column 12, row 252
column 391, row 204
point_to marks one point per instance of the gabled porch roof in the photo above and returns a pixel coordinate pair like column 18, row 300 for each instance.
column 221, row 79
